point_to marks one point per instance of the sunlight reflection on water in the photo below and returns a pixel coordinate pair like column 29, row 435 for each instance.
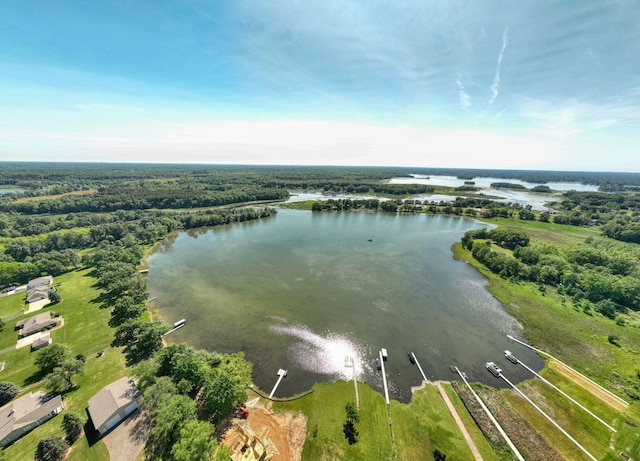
column 321, row 354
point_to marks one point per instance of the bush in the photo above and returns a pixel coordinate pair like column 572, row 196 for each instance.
column 72, row 424
column 7, row 391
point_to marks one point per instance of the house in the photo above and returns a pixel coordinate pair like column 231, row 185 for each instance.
column 25, row 414
column 44, row 341
column 37, row 323
column 38, row 293
column 45, row 281
column 113, row 403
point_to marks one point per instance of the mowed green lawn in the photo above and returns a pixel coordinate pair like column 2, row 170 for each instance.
column 417, row 429
column 12, row 305
column 86, row 331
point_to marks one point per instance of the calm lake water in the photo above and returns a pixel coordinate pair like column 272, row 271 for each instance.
column 302, row 290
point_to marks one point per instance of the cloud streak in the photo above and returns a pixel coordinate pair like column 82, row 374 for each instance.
column 465, row 99
column 496, row 78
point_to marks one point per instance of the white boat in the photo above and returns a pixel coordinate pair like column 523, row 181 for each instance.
column 494, row 369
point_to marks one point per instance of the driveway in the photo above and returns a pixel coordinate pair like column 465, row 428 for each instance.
column 128, row 438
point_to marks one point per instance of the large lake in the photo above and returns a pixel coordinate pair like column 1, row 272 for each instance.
column 302, row 290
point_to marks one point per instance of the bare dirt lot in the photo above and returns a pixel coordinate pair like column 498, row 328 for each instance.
column 286, row 431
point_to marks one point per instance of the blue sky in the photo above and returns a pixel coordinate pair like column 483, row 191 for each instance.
column 529, row 84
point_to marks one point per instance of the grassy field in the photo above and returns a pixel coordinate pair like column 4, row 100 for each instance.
column 99, row 372
column 413, row 431
column 86, row 331
column 12, row 305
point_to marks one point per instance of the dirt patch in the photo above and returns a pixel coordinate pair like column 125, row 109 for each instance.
column 286, row 432
column 581, row 381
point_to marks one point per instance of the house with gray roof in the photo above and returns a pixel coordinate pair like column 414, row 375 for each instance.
column 25, row 414
column 113, row 403
column 46, row 281
column 36, row 324
column 38, row 293
column 41, row 342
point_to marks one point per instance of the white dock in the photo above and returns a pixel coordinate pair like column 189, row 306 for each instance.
column 550, row 419
column 384, row 379
column 567, row 396
column 491, row 417
column 567, row 366
column 281, row 374
column 424, row 377
column 174, row 329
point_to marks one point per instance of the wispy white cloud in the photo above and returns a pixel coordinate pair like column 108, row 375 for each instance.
column 496, row 78
column 465, row 99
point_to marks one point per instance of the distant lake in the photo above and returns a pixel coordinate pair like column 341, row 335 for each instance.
column 485, row 182
column 537, row 201
column 10, row 191
column 301, row 290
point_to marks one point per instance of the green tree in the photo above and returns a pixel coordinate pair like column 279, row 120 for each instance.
column 52, row 356
column 60, row 379
column 125, row 309
column 196, row 442
column 7, row 391
column 167, row 420
column 72, row 424
column 51, row 448
column 140, row 339
column 157, row 393
column 54, row 297
column 349, row 427
column 222, row 395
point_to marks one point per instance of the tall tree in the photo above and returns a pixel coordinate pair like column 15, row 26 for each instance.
column 51, row 448
column 60, row 379
column 52, row 356
column 168, row 418
column 196, row 442
column 7, row 391
column 222, row 395
column 72, row 424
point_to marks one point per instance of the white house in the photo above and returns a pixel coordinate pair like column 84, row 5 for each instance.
column 113, row 403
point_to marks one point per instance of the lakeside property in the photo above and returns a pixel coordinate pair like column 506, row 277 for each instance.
column 601, row 342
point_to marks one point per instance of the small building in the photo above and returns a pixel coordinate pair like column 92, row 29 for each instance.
column 38, row 293
column 113, row 403
column 25, row 414
column 36, row 324
column 44, row 341
column 45, row 281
